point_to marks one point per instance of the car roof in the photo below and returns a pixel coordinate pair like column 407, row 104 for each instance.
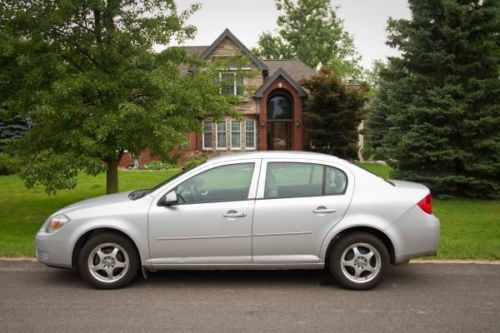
column 273, row 154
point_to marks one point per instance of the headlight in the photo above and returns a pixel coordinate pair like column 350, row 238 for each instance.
column 56, row 223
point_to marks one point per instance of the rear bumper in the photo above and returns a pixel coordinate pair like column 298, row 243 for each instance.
column 415, row 234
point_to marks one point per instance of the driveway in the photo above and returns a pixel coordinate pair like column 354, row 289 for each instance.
column 413, row 298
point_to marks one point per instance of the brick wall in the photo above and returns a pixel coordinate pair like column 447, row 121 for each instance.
column 283, row 85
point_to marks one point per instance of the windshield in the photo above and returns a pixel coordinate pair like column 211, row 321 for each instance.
column 141, row 193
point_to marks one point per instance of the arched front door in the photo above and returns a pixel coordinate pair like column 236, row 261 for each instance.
column 279, row 122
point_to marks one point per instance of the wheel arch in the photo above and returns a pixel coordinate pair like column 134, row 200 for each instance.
column 93, row 232
column 368, row 229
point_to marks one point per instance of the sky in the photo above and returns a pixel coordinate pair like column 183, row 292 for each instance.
column 365, row 20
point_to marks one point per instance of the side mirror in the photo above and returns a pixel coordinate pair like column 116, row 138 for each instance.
column 169, row 199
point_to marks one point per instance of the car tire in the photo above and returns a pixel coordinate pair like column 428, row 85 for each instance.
column 108, row 261
column 358, row 261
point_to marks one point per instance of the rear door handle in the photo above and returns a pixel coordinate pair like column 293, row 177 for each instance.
column 233, row 213
column 323, row 210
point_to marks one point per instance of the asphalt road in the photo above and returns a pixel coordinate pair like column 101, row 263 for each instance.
column 413, row 298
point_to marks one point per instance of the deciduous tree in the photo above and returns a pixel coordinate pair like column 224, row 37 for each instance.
column 333, row 113
column 311, row 31
column 85, row 73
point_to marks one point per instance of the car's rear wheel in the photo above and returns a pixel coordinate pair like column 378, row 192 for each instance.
column 108, row 261
column 358, row 261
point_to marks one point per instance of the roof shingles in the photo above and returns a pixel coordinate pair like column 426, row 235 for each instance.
column 293, row 68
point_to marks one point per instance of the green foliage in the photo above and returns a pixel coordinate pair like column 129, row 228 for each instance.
column 9, row 165
column 159, row 165
column 436, row 113
column 375, row 125
column 194, row 160
column 85, row 74
column 372, row 75
column 311, row 31
column 11, row 129
column 333, row 112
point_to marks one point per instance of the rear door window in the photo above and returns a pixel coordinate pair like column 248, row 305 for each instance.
column 297, row 179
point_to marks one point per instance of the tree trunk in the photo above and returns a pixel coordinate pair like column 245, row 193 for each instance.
column 112, row 176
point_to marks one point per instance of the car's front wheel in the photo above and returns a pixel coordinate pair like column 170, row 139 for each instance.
column 108, row 261
column 358, row 261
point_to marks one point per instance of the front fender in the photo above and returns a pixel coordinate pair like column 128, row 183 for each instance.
column 137, row 232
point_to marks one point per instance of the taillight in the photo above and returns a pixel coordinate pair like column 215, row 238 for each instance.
column 426, row 204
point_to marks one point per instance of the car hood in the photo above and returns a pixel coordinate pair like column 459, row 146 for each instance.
column 99, row 201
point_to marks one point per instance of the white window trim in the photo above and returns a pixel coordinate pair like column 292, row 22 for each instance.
column 254, row 135
column 203, row 147
column 217, row 135
column 231, row 135
column 235, row 83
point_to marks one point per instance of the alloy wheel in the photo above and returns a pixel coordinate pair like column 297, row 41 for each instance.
column 108, row 262
column 360, row 262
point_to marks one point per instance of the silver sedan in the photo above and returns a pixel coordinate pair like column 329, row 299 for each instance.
column 261, row 210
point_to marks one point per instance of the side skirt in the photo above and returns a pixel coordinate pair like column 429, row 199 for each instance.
column 247, row 266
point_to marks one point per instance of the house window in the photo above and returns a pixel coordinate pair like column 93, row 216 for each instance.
column 231, row 83
column 250, row 133
column 207, row 134
column 235, row 134
column 221, row 135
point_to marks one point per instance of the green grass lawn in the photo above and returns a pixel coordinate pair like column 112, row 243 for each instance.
column 23, row 211
column 470, row 228
column 378, row 169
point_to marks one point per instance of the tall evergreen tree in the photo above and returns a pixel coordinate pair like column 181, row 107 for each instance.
column 11, row 129
column 440, row 98
column 333, row 112
column 311, row 31
column 376, row 122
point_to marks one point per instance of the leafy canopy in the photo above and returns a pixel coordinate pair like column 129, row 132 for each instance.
column 311, row 31
column 85, row 74
column 333, row 113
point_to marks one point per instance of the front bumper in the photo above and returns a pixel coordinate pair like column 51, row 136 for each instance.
column 51, row 250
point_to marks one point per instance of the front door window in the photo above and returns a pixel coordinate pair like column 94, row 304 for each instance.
column 279, row 122
column 224, row 183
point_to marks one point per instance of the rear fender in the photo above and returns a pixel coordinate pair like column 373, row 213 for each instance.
column 352, row 222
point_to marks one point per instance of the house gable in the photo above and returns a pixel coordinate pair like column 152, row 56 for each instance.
column 280, row 72
column 227, row 45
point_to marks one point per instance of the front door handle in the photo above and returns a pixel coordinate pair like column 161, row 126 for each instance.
column 233, row 213
column 324, row 210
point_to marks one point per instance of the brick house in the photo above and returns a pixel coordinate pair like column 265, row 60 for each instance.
column 272, row 105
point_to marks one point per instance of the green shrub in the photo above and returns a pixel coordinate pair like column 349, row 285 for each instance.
column 159, row 165
column 194, row 161
column 9, row 165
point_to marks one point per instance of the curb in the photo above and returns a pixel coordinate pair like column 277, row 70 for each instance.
column 17, row 259
column 455, row 261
